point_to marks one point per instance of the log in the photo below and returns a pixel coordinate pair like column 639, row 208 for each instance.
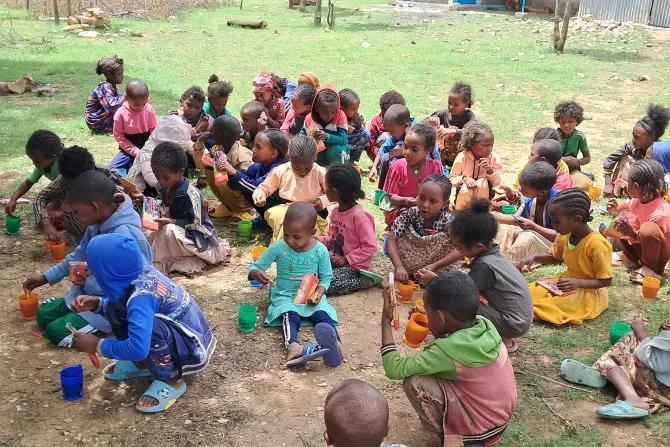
column 253, row 24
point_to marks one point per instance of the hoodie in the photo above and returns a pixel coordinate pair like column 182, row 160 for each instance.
column 337, row 130
column 254, row 176
column 126, row 221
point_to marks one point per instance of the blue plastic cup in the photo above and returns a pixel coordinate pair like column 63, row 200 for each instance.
column 72, row 382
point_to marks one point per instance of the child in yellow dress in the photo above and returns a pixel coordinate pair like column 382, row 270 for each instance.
column 588, row 256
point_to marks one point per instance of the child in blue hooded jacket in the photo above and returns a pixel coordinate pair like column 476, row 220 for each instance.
column 154, row 320
column 94, row 202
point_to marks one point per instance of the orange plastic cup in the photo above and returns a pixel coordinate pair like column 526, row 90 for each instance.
column 595, row 192
column 419, row 304
column 57, row 250
column 257, row 251
column 416, row 330
column 650, row 287
column 405, row 291
column 28, row 305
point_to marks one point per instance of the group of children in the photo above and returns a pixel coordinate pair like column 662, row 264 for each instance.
column 291, row 159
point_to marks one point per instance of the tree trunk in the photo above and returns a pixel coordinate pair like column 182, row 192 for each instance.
column 317, row 13
column 290, row 4
column 69, row 8
column 303, row 3
column 557, row 21
column 56, row 15
column 566, row 23
column 27, row 5
column 330, row 17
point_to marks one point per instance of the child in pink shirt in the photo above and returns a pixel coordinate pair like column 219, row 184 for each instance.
column 351, row 238
column 133, row 124
column 405, row 175
column 301, row 106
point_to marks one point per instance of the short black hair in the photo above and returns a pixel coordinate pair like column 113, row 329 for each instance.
column 453, row 292
column 194, row 92
column 74, row 161
column 464, row 91
column 305, row 93
column 550, row 150
column 546, row 133
column 656, row 120
column 45, row 143
column 390, row 98
column 137, row 89
column 442, row 181
column 475, row 225
column 280, row 83
column 302, row 146
column 539, row 176
column 328, row 96
column 278, row 141
column 397, row 114
column 649, row 174
column 569, row 108
column 218, row 89
column 427, row 134
column 169, row 155
column 347, row 181
column 574, row 201
column 230, row 129
column 91, row 186
column 302, row 212
column 348, row 96
column 256, row 108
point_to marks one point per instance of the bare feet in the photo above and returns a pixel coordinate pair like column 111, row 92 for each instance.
column 366, row 282
column 637, row 402
column 148, row 401
column 294, row 351
column 510, row 344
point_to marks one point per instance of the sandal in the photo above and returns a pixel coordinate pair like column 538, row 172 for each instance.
column 621, row 410
column 513, row 345
column 124, row 370
column 165, row 394
column 576, row 372
column 643, row 272
column 376, row 279
column 327, row 337
column 309, row 352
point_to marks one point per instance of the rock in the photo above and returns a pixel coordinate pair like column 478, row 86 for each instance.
column 587, row 18
column 460, row 50
column 178, row 30
column 67, row 420
column 542, row 56
column 578, row 51
column 88, row 34
column 110, row 40
column 581, row 75
column 21, row 86
column 4, row 90
column 365, row 45
column 188, row 422
column 642, row 78
column 521, row 15
column 342, row 59
column 514, row 59
column 500, row 85
column 322, row 385
column 520, row 54
column 136, row 34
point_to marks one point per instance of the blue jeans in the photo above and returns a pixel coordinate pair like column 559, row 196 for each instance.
column 291, row 324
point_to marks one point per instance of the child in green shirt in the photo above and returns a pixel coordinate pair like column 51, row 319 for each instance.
column 568, row 115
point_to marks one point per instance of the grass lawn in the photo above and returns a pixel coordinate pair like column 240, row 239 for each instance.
column 418, row 54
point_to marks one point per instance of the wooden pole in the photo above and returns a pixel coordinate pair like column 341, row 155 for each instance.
column 303, row 3
column 557, row 29
column 317, row 13
column 56, row 15
column 69, row 8
column 27, row 5
column 566, row 23
column 290, row 4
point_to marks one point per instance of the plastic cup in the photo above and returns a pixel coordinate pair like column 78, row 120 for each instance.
column 57, row 250
column 405, row 291
column 618, row 330
column 508, row 209
column 247, row 317
column 446, row 172
column 378, row 196
column 244, row 229
column 419, row 304
column 255, row 284
column 257, row 251
column 28, row 305
column 595, row 192
column 650, row 286
column 72, row 382
column 12, row 224
column 416, row 330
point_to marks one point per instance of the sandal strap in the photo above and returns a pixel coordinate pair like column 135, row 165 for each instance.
column 310, row 348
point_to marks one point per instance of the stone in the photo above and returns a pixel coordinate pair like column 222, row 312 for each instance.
column 588, row 18
column 88, row 34
column 521, row 15
column 642, row 78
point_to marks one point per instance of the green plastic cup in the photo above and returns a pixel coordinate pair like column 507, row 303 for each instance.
column 244, row 229
column 12, row 224
column 618, row 330
column 378, row 196
column 246, row 315
column 508, row 209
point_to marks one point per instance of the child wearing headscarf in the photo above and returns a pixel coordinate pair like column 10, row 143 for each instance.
column 309, row 78
column 265, row 91
column 106, row 98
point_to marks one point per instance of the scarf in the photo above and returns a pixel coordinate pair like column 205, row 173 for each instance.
column 107, row 64
column 309, row 78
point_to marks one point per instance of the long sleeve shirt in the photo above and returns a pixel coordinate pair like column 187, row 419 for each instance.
column 465, row 165
column 613, row 159
column 128, row 122
column 293, row 188
column 141, row 311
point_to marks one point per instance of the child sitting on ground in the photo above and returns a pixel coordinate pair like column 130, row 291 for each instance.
column 191, row 103
column 104, row 101
column 645, row 132
column 133, row 124
column 253, row 122
column 299, row 180
column 419, row 237
column 43, row 148
column 588, row 256
column 568, row 115
column 646, row 236
column 476, row 168
column 72, row 162
column 94, row 201
column 359, row 136
column 301, row 106
column 265, row 92
column 450, row 122
column 327, row 123
column 405, row 175
column 298, row 254
column 549, row 151
column 155, row 321
column 462, row 387
column 356, row 414
column 639, row 368
column 378, row 134
column 217, row 97
column 186, row 240
column 546, row 133
column 351, row 233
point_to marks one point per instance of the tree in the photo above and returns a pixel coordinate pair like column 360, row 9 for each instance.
column 561, row 33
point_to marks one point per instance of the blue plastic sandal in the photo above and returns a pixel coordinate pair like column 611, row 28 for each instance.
column 325, row 336
column 576, row 372
column 309, row 352
column 165, row 394
column 621, row 410
column 124, row 370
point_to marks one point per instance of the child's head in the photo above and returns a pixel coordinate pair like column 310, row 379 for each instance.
column 433, row 195
column 137, row 95
column 250, row 113
column 343, row 184
column 168, row 161
column 546, row 150
column 218, row 93
column 397, row 120
column 451, row 302
column 350, row 102
column 302, row 99
column 302, row 155
column 91, row 196
column 74, row 161
column 356, row 414
column 390, row 98
column 568, row 115
column 646, row 181
column 546, row 133
column 570, row 210
column 226, row 131
column 309, row 78
column 112, row 68
column 269, row 146
column 477, row 138
column 116, row 261
column 43, row 148
column 326, row 106
column 299, row 225
column 265, row 86
column 537, row 179
column 419, row 143
column 460, row 99
column 192, row 101
column 651, row 127
column 473, row 229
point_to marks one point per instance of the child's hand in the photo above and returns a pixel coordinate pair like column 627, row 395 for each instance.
column 410, row 201
column 162, row 221
column 613, row 206
column 387, row 309
column 425, row 275
column 566, row 285
column 259, row 199
column 83, row 342
column 337, row 260
column 572, row 162
column 415, row 310
column 85, row 303
column 50, row 232
column 204, row 136
column 484, row 164
column 639, row 329
column 315, row 298
column 79, row 280
column 224, row 165
column 320, row 135
column 33, row 282
column 401, row 275
column 262, row 123
column 665, row 325
column 373, row 175
column 202, row 183
column 434, row 121
column 525, row 224
column 469, row 182
column 350, row 129
column 444, row 132
column 397, row 151
column 318, row 205
column 260, row 276
column 626, row 229
column 202, row 125
column 11, row 206
column 526, row 264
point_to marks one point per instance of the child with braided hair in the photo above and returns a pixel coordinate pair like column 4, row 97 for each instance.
column 582, row 289
column 300, row 106
column 105, row 100
column 351, row 234
column 217, row 97
column 359, row 136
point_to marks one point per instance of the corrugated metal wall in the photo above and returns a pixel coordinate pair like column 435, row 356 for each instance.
column 621, row 10
column 660, row 13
